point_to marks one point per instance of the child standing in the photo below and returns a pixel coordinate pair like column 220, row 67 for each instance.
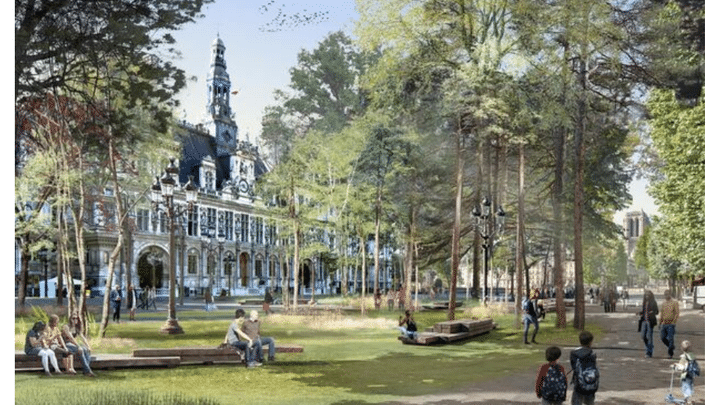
column 551, row 384
column 689, row 368
column 586, row 374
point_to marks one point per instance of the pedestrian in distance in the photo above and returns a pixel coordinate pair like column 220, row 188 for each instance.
column 77, row 343
column 668, row 321
column 529, row 315
column 585, row 375
column 390, row 299
column 267, row 301
column 690, row 368
column 116, row 302
column 551, row 383
column 35, row 346
column 208, row 300
column 647, row 322
column 377, row 300
column 132, row 301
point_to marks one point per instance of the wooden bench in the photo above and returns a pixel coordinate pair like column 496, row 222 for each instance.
column 209, row 355
column 24, row 362
column 452, row 331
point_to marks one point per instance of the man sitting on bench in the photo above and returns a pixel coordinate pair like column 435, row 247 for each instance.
column 251, row 328
column 234, row 333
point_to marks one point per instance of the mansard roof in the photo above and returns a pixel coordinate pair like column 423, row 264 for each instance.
column 197, row 143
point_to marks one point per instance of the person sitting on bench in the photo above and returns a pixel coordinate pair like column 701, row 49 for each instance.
column 251, row 328
column 235, row 334
column 35, row 346
column 410, row 331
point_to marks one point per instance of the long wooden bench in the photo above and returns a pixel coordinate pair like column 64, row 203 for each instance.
column 24, row 362
column 209, row 355
column 452, row 331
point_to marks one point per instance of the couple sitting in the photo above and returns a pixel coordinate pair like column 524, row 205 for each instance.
column 244, row 334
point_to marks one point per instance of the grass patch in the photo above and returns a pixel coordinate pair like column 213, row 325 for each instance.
column 346, row 359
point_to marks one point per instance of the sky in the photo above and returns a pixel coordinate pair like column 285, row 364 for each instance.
column 259, row 58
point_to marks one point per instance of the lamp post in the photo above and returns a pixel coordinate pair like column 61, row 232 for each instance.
column 486, row 228
column 163, row 191
column 208, row 243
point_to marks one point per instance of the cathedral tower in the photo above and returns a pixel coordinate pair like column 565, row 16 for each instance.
column 221, row 121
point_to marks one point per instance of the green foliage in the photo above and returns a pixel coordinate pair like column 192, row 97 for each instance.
column 39, row 314
column 677, row 134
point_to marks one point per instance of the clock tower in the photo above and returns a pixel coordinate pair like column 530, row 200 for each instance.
column 221, row 123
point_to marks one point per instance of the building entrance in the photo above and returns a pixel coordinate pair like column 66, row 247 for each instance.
column 150, row 269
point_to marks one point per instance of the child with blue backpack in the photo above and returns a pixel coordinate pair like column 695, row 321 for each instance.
column 586, row 375
column 551, row 384
column 689, row 368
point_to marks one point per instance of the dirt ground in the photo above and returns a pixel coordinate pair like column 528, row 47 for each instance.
column 626, row 376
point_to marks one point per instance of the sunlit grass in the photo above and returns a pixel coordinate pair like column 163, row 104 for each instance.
column 346, row 358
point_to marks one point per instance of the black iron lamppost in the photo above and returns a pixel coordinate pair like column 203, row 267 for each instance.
column 162, row 195
column 208, row 243
column 488, row 226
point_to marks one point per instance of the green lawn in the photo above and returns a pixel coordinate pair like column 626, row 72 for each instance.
column 350, row 359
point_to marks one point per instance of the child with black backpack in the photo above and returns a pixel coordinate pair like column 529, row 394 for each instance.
column 690, row 368
column 586, row 374
column 551, row 384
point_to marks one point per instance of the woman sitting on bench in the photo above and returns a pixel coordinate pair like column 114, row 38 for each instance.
column 35, row 346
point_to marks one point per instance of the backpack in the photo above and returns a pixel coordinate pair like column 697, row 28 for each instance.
column 692, row 368
column 554, row 387
column 528, row 307
column 587, row 378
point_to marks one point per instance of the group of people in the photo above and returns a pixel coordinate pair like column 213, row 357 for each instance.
column 134, row 300
column 244, row 334
column 392, row 296
column 50, row 342
column 551, row 381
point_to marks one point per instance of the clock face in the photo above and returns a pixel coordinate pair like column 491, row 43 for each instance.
column 226, row 136
column 244, row 187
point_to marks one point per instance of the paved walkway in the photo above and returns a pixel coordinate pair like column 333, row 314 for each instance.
column 627, row 377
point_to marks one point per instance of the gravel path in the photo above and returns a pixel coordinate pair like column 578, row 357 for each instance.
column 627, row 377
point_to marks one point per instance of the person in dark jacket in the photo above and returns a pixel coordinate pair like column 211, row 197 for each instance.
column 647, row 321
column 116, row 302
column 583, row 357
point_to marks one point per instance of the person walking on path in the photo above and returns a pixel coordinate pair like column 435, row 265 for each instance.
column 647, row 322
column 551, row 383
column 529, row 315
column 267, row 301
column 132, row 301
column 35, row 346
column 585, row 375
column 687, row 365
column 116, row 301
column 76, row 342
column 668, row 321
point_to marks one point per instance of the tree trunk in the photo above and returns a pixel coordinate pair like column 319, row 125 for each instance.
column 456, row 228
column 558, row 232
column 579, row 199
column 24, row 265
column 519, row 255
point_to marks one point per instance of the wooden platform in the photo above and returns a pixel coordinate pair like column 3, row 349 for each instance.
column 441, row 305
column 24, row 362
column 208, row 355
column 452, row 331
column 173, row 357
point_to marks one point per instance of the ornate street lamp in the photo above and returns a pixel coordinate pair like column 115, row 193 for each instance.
column 162, row 195
column 487, row 227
